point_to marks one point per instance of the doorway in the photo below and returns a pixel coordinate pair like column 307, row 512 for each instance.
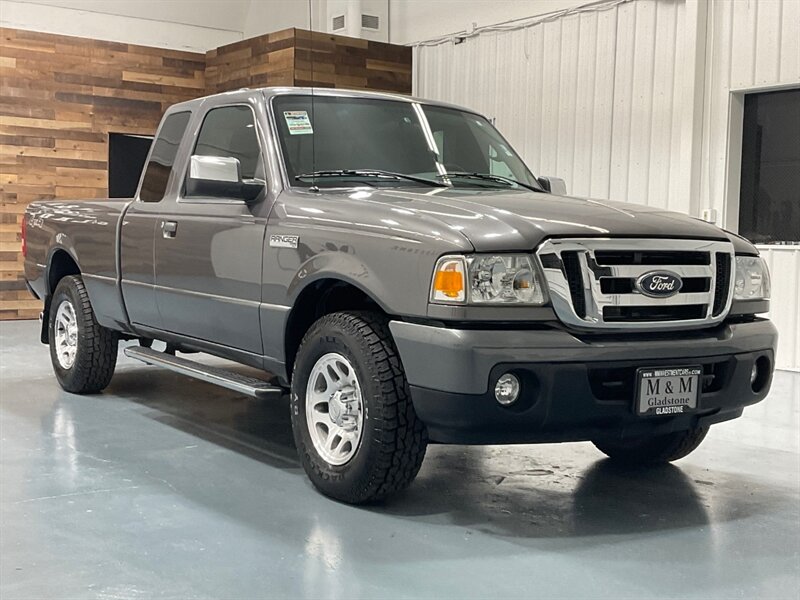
column 126, row 157
column 769, row 196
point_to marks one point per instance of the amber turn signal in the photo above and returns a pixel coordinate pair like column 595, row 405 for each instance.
column 448, row 281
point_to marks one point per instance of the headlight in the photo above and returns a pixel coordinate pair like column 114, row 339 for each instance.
column 487, row 279
column 752, row 279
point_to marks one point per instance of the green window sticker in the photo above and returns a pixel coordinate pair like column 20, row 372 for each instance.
column 298, row 122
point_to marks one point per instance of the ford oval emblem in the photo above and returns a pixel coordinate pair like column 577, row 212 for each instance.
column 659, row 284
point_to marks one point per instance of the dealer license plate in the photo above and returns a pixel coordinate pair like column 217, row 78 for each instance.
column 666, row 391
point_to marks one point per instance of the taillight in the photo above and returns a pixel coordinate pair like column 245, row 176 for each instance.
column 22, row 232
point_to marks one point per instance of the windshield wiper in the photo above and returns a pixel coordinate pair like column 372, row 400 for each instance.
column 490, row 177
column 368, row 173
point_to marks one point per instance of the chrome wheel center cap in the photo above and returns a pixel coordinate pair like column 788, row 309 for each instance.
column 342, row 409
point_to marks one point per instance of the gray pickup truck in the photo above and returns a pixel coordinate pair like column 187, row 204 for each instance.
column 397, row 268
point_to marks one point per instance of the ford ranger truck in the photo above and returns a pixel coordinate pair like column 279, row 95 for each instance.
column 398, row 270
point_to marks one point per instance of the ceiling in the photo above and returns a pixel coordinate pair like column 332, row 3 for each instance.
column 229, row 15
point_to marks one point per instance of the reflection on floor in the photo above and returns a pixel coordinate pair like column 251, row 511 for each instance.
column 167, row 487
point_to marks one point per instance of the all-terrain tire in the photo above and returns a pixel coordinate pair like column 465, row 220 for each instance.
column 96, row 355
column 654, row 450
column 393, row 440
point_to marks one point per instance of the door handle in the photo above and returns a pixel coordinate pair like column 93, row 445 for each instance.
column 169, row 229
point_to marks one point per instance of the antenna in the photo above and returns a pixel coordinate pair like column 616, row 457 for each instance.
column 313, row 80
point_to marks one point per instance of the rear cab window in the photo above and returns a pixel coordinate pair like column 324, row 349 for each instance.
column 162, row 157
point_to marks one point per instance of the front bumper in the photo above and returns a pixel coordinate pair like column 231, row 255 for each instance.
column 574, row 387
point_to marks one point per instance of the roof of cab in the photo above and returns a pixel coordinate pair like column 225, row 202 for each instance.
column 270, row 92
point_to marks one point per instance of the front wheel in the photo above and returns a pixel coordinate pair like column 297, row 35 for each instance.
column 354, row 425
column 653, row 450
column 83, row 353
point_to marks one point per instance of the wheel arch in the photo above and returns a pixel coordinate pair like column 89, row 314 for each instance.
column 321, row 297
column 60, row 263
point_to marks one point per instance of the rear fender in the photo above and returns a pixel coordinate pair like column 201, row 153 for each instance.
column 59, row 246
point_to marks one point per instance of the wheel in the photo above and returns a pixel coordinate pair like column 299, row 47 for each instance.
column 354, row 425
column 654, row 450
column 83, row 353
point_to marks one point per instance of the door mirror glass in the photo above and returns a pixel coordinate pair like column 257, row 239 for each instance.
column 220, row 177
column 554, row 185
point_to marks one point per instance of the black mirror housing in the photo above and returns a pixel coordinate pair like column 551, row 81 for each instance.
column 553, row 185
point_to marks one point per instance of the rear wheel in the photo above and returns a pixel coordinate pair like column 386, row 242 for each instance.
column 653, row 450
column 354, row 425
column 83, row 353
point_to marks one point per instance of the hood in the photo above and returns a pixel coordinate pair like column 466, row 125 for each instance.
column 495, row 221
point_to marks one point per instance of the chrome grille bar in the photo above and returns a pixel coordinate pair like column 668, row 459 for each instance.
column 574, row 277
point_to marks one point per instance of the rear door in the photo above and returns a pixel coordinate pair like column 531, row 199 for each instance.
column 141, row 220
column 208, row 251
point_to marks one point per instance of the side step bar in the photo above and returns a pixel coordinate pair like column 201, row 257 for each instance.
column 243, row 384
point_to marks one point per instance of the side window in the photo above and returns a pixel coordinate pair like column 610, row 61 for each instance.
column 165, row 147
column 230, row 131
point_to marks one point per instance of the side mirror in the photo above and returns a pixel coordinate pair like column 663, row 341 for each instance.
column 554, row 185
column 220, row 177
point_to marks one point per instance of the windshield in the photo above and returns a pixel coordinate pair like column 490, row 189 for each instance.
column 343, row 141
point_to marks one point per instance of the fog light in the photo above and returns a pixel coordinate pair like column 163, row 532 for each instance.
column 760, row 375
column 506, row 391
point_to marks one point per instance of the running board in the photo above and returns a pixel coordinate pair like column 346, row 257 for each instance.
column 243, row 384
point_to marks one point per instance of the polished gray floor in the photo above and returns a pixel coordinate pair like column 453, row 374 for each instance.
column 163, row 487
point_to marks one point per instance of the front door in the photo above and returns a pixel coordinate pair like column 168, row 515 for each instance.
column 138, row 228
column 208, row 251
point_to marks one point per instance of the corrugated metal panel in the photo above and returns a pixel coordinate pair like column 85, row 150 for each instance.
column 603, row 85
column 784, row 264
column 751, row 44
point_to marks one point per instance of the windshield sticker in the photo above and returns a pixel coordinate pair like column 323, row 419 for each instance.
column 298, row 122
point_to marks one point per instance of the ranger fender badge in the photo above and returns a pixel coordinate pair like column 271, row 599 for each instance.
column 283, row 241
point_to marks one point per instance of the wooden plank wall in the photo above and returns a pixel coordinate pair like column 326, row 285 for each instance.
column 299, row 57
column 326, row 60
column 61, row 96
column 266, row 60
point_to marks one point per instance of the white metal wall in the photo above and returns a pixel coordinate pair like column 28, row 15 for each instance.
column 603, row 84
column 632, row 102
column 784, row 264
column 752, row 45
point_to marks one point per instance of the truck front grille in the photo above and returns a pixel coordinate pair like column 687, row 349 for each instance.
column 593, row 282
column 722, row 284
column 572, row 268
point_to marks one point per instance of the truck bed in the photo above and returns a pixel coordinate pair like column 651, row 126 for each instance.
column 87, row 231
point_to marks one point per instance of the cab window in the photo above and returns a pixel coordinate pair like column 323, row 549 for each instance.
column 162, row 157
column 230, row 131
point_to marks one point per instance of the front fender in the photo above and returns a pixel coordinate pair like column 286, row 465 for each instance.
column 343, row 266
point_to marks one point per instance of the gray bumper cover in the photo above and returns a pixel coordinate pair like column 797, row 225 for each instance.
column 460, row 360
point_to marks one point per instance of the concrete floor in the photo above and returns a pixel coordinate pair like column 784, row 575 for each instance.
column 163, row 487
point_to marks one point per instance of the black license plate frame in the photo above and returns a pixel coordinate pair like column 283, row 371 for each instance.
column 675, row 391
